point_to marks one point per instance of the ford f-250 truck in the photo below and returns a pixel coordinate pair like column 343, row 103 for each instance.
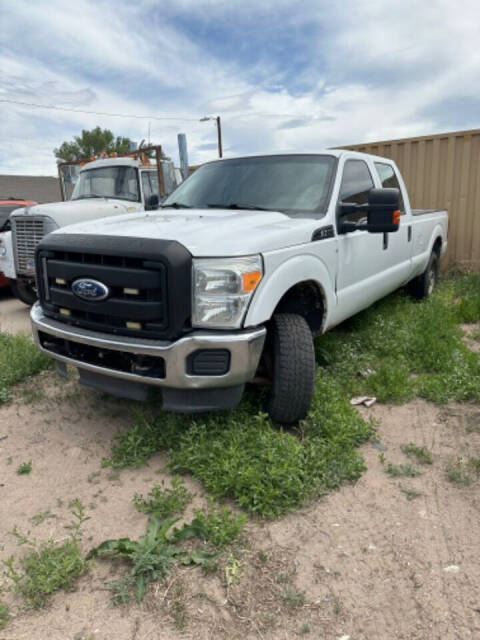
column 105, row 187
column 229, row 282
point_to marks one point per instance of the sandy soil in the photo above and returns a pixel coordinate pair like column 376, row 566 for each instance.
column 373, row 565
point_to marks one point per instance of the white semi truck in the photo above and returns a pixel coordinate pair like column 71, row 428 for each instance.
column 105, row 187
column 229, row 282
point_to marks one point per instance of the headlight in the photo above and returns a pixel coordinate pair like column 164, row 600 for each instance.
column 222, row 289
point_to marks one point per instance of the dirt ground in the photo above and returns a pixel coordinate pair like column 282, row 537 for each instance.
column 371, row 563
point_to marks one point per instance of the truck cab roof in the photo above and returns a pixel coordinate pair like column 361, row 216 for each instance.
column 126, row 161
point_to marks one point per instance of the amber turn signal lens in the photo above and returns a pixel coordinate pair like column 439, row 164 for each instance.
column 396, row 216
column 250, row 280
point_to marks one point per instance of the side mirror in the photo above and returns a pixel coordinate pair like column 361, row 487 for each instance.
column 382, row 210
column 152, row 202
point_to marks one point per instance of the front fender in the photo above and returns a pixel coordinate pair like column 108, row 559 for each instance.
column 286, row 275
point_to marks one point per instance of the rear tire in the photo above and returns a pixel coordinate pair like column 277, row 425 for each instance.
column 24, row 290
column 292, row 368
column 423, row 285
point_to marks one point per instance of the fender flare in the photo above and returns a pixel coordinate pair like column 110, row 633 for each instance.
column 293, row 271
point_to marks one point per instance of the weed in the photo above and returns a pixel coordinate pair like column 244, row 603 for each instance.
column 262, row 556
column 4, row 615
column 407, row 470
column 164, row 502
column 291, row 598
column 421, row 454
column 24, row 468
column 410, row 493
column 151, row 557
column 304, row 628
column 41, row 517
column 218, row 525
column 178, row 609
column 474, row 464
column 19, row 358
column 232, row 570
column 48, row 566
column 457, row 473
column 381, row 458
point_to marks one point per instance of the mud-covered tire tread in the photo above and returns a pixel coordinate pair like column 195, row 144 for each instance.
column 293, row 376
column 418, row 287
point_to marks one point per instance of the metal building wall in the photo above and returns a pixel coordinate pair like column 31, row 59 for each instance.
column 442, row 171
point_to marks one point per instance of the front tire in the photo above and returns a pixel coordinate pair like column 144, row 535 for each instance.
column 292, row 358
column 423, row 285
column 24, row 290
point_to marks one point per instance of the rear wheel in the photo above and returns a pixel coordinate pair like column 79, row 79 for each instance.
column 24, row 290
column 291, row 364
column 423, row 285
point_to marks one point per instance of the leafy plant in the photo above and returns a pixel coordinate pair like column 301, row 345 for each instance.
column 151, row 557
column 24, row 468
column 407, row 470
column 164, row 502
column 421, row 454
column 48, row 566
column 457, row 473
column 218, row 525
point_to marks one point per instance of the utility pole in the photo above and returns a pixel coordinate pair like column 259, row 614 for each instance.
column 219, row 132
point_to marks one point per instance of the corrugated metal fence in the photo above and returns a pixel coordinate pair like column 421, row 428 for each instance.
column 442, row 172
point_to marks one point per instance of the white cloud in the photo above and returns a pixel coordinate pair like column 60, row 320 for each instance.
column 369, row 70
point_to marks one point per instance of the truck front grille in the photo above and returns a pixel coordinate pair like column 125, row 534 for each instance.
column 27, row 233
column 137, row 302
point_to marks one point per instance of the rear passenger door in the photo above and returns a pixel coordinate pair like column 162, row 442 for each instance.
column 361, row 277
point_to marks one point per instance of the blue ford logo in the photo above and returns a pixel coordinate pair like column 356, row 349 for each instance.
column 88, row 289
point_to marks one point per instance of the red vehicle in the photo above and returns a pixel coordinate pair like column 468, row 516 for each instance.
column 6, row 208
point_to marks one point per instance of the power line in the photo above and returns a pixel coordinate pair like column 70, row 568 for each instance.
column 96, row 113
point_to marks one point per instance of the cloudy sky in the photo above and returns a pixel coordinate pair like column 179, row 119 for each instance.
column 282, row 75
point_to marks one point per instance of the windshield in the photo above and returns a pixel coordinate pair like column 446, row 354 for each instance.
column 107, row 182
column 290, row 183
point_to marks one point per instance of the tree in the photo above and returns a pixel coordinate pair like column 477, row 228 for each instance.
column 91, row 143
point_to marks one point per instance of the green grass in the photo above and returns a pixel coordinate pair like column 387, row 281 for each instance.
column 421, row 454
column 19, row 358
column 24, row 468
column 164, row 502
column 402, row 470
column 4, row 615
column 48, row 566
column 412, row 348
column 218, row 525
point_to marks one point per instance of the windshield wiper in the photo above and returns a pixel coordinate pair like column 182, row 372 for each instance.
column 175, row 205
column 235, row 205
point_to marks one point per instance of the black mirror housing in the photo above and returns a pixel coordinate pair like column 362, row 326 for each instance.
column 152, row 202
column 383, row 212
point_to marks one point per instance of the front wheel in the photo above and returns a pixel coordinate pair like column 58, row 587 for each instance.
column 423, row 285
column 292, row 368
column 24, row 290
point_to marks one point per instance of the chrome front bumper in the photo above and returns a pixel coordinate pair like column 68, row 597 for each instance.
column 245, row 348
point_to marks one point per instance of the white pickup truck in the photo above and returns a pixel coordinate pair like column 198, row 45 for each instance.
column 105, row 187
column 229, row 282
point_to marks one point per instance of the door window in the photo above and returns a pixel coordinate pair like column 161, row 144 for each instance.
column 356, row 183
column 389, row 179
column 147, row 188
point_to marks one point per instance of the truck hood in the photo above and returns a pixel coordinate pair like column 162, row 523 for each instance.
column 204, row 232
column 72, row 211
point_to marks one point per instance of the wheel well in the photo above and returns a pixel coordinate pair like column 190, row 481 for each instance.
column 437, row 246
column 307, row 299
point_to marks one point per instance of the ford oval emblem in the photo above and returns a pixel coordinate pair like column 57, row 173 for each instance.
column 91, row 290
